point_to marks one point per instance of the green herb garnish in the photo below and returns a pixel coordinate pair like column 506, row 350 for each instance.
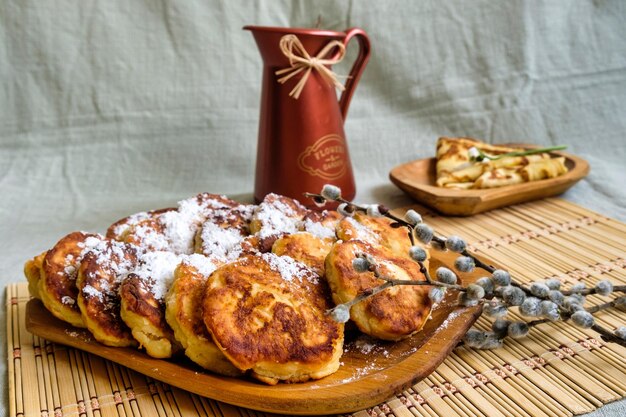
column 476, row 155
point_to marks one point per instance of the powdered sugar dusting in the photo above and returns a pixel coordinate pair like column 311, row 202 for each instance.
column 288, row 268
column 90, row 242
column 129, row 222
column 150, row 238
column 181, row 226
column 242, row 212
column 67, row 300
column 367, row 345
column 71, row 262
column 201, row 263
column 112, row 257
column 363, row 232
column 90, row 291
column 221, row 243
column 70, row 266
column 112, row 254
column 276, row 217
column 371, row 349
column 358, row 373
column 317, row 229
column 156, row 270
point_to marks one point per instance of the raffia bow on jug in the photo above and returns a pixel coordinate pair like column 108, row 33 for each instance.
column 300, row 60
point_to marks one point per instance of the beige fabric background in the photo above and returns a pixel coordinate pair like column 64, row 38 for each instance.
column 111, row 107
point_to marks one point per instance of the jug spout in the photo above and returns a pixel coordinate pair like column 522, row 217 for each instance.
column 301, row 144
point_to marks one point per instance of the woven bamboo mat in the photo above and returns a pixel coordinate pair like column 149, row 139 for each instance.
column 558, row 370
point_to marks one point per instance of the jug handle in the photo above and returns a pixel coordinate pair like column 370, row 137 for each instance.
column 357, row 67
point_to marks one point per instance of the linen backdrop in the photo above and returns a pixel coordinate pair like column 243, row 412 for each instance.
column 113, row 107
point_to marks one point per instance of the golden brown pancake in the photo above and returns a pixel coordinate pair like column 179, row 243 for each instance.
column 517, row 161
column 99, row 277
column 544, row 168
column 377, row 231
column 455, row 170
column 223, row 233
column 251, row 245
column 460, row 185
column 493, row 176
column 498, row 177
column 172, row 230
column 276, row 216
column 453, row 164
column 394, row 313
column 304, row 247
column 57, row 286
column 121, row 228
column 142, row 305
column 32, row 272
column 321, row 224
column 268, row 315
column 184, row 315
column 141, row 229
column 463, row 175
column 182, row 225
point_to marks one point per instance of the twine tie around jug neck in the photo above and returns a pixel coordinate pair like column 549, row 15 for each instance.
column 300, row 60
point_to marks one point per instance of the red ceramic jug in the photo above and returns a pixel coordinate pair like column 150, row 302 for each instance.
column 302, row 144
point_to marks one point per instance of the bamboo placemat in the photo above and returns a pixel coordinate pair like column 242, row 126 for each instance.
column 558, row 370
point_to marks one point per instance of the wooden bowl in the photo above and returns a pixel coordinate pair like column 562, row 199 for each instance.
column 417, row 179
column 371, row 371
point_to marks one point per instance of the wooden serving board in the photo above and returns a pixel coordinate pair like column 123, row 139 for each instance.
column 371, row 371
column 417, row 179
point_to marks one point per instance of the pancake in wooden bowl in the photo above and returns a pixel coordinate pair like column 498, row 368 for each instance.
column 99, row 276
column 456, row 169
column 268, row 315
column 393, row 314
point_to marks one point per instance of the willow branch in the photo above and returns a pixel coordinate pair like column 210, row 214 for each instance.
column 589, row 291
column 608, row 336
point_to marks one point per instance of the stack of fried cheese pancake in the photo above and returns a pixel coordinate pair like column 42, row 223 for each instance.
column 238, row 289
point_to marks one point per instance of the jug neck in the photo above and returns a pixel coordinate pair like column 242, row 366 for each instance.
column 268, row 38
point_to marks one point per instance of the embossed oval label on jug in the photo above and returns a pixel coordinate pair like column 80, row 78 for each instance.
column 326, row 158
